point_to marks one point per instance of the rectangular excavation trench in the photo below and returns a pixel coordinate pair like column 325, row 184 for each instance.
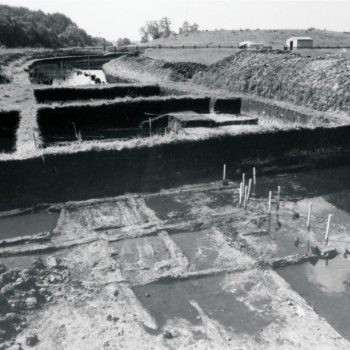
column 9, row 121
column 120, row 119
column 93, row 174
column 123, row 119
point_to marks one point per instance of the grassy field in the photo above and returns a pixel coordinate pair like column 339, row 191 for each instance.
column 275, row 38
column 203, row 56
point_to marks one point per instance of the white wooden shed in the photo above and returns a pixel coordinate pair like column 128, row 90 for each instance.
column 296, row 42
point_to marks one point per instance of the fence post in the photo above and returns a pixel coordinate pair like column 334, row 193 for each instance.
column 183, row 46
column 219, row 46
column 194, row 46
column 207, row 47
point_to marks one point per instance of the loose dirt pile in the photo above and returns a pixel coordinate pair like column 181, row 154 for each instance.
column 23, row 291
column 320, row 83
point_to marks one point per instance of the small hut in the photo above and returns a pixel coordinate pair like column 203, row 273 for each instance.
column 299, row 43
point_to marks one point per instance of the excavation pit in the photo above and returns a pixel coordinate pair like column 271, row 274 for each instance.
column 9, row 121
column 115, row 120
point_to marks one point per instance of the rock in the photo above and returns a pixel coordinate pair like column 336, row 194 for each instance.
column 4, row 306
column 2, row 268
column 27, row 273
column 10, row 275
column 12, row 317
column 43, row 234
column 168, row 335
column 8, row 289
column 147, row 295
column 109, row 317
column 51, row 262
column 38, row 263
column 173, row 215
column 31, row 302
column 116, row 293
column 52, row 278
column 25, row 283
column 32, row 339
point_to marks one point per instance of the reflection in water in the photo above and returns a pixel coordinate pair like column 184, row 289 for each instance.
column 326, row 284
column 68, row 74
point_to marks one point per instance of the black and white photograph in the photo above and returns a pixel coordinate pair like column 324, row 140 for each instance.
column 174, row 175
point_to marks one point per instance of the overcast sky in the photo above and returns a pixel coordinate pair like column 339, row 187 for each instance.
column 114, row 19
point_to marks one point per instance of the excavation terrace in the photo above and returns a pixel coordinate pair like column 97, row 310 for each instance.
column 159, row 214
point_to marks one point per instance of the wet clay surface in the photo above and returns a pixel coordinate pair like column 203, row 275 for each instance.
column 188, row 268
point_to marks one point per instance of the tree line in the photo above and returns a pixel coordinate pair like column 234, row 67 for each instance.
column 21, row 27
column 162, row 29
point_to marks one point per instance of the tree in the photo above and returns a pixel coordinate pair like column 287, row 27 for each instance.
column 144, row 35
column 188, row 28
column 156, row 29
column 164, row 26
column 123, row 42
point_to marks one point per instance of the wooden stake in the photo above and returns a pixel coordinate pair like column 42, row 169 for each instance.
column 240, row 193
column 245, row 196
column 243, row 179
column 35, row 142
column 254, row 176
column 75, row 131
column 249, row 188
column 224, row 174
column 278, row 196
column 270, row 196
column 328, row 226
column 309, row 217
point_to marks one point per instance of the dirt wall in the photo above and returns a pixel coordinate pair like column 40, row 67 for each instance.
column 270, row 110
column 96, row 174
column 103, row 92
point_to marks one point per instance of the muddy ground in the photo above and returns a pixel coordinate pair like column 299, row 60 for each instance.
column 185, row 268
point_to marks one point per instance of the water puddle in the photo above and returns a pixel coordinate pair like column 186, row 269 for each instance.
column 325, row 287
column 166, row 207
column 25, row 261
column 27, row 224
column 72, row 73
column 177, row 300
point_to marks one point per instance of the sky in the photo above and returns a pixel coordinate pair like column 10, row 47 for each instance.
column 119, row 19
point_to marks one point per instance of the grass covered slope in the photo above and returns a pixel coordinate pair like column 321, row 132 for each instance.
column 202, row 56
column 320, row 83
column 273, row 37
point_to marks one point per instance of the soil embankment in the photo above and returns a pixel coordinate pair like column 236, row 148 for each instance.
column 98, row 173
column 319, row 83
column 154, row 70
